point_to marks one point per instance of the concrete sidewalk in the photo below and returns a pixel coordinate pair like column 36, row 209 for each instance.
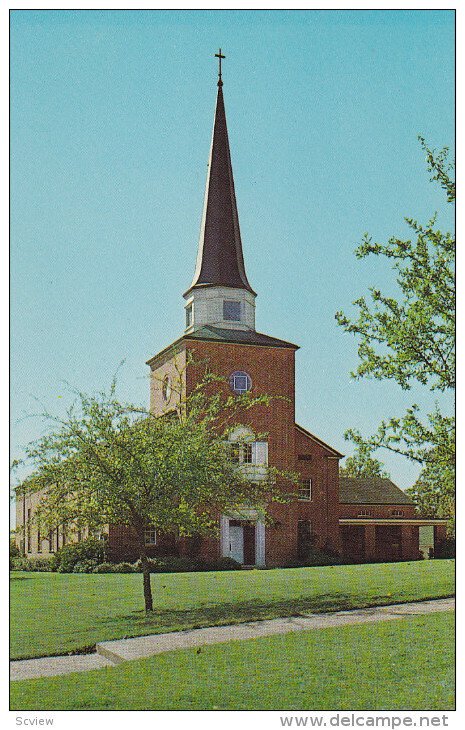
column 114, row 652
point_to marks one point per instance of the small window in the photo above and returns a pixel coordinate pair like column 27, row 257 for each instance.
column 150, row 536
column 304, row 457
column 255, row 452
column 305, row 490
column 231, row 310
column 188, row 316
column 240, row 382
column 397, row 513
column 364, row 513
column 166, row 388
column 39, row 541
column 242, row 453
column 51, row 548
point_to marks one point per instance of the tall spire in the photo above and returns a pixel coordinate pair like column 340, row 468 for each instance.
column 220, row 261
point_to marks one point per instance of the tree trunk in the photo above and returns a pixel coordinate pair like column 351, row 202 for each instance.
column 146, row 576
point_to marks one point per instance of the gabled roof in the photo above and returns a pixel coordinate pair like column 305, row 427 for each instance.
column 245, row 337
column 220, row 261
column 317, row 440
column 373, row 490
column 208, row 333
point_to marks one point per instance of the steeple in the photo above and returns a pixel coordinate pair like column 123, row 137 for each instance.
column 220, row 261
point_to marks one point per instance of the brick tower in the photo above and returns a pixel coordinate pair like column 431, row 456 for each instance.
column 220, row 330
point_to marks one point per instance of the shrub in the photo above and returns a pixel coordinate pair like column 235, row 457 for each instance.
column 221, row 564
column 176, row 564
column 84, row 566
column 124, row 568
column 115, row 568
column 104, row 568
column 316, row 557
column 169, row 564
column 90, row 550
column 173, row 564
column 41, row 565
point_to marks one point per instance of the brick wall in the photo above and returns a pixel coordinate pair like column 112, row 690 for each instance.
column 376, row 510
column 272, row 372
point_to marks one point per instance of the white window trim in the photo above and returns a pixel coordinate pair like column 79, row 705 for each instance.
column 240, row 374
column 259, row 453
column 308, row 487
column 148, row 532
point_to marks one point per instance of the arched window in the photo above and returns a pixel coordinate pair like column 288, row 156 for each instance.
column 166, row 388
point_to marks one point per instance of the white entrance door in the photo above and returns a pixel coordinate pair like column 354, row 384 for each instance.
column 236, row 543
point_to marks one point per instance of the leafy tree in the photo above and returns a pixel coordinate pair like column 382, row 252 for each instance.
column 109, row 462
column 434, row 492
column 410, row 338
column 362, row 464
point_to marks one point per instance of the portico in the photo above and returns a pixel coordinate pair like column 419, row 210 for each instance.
column 242, row 537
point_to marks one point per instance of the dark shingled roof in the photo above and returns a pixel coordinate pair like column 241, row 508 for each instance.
column 245, row 337
column 220, row 261
column 375, row 490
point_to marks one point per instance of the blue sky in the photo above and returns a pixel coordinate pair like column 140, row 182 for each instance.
column 111, row 116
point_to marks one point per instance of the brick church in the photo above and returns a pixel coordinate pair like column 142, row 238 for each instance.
column 361, row 519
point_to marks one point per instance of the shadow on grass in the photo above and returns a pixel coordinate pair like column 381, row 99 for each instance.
column 239, row 612
column 137, row 623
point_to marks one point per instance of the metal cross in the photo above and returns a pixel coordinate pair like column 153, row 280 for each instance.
column 219, row 56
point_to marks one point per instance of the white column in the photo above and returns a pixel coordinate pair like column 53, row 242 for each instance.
column 260, row 543
column 224, row 536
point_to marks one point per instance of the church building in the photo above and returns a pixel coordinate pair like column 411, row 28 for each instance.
column 361, row 519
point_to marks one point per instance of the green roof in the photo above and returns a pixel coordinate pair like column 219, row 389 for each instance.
column 375, row 490
column 245, row 337
column 218, row 334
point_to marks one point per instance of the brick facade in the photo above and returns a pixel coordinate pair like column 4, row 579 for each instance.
column 380, row 531
column 376, row 531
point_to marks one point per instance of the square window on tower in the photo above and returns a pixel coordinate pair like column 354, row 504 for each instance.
column 231, row 310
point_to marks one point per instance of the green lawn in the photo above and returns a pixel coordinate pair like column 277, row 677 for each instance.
column 52, row 613
column 407, row 664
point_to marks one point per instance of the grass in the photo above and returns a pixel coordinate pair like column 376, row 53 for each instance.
column 406, row 664
column 53, row 613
